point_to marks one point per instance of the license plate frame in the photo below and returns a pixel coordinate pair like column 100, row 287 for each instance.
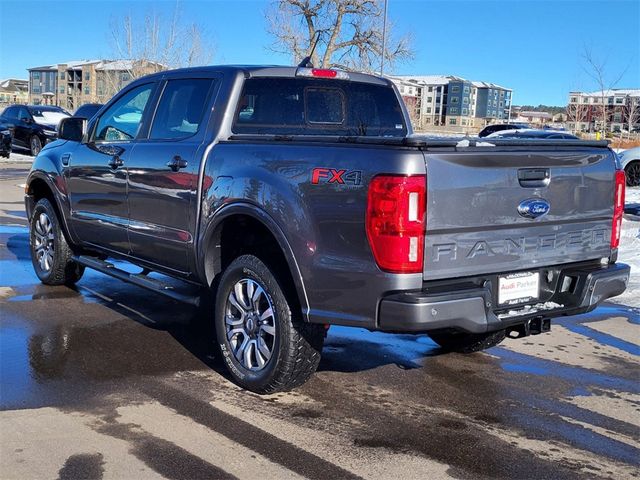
column 518, row 288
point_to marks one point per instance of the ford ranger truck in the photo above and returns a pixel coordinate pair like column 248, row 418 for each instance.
column 286, row 199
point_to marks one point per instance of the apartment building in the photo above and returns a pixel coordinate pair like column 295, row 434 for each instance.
column 13, row 90
column 453, row 101
column 619, row 109
column 75, row 83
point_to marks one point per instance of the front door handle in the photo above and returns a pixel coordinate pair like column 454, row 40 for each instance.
column 176, row 163
column 65, row 159
column 115, row 162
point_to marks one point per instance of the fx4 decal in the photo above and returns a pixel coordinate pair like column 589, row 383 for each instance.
column 332, row 175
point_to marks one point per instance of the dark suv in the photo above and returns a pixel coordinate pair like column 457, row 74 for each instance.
column 32, row 126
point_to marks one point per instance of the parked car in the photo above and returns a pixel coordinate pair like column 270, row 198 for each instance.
column 489, row 129
column 534, row 133
column 630, row 160
column 290, row 199
column 32, row 126
column 88, row 110
column 5, row 142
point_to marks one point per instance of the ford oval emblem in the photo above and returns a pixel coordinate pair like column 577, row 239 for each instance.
column 534, row 207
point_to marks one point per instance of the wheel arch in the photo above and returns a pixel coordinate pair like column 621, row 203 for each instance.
column 40, row 185
column 222, row 242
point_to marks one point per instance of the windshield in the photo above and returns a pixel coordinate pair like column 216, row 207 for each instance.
column 294, row 106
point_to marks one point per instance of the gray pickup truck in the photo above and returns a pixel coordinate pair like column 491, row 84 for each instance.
column 298, row 198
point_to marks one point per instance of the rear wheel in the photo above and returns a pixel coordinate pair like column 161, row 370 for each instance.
column 632, row 172
column 468, row 342
column 265, row 345
column 51, row 255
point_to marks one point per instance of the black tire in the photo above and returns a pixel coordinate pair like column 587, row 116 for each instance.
column 632, row 173
column 51, row 255
column 468, row 342
column 35, row 145
column 295, row 346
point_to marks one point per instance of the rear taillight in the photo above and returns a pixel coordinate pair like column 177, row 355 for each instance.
column 396, row 221
column 618, row 208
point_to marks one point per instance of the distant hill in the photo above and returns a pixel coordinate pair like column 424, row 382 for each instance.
column 542, row 108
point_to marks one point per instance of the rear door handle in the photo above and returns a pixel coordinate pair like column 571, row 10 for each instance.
column 176, row 163
column 115, row 162
column 534, row 177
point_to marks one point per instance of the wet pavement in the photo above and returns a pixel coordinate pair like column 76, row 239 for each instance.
column 109, row 381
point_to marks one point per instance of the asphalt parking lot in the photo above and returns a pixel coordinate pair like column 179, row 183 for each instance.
column 106, row 380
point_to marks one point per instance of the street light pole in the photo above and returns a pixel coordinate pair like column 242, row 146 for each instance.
column 384, row 38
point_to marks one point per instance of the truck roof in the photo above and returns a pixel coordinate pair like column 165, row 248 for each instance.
column 250, row 71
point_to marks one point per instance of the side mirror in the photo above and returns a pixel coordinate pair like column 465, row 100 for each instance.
column 72, row 128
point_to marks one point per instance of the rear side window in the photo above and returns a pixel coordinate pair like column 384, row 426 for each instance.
column 181, row 109
column 295, row 106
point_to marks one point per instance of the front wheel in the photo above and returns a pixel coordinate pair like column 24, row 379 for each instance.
column 35, row 145
column 632, row 172
column 51, row 255
column 468, row 342
column 265, row 345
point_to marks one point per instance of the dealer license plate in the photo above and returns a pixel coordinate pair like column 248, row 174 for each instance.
column 518, row 288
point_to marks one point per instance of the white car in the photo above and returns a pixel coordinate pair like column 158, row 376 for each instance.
column 630, row 160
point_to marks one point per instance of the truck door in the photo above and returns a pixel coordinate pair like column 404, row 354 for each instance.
column 163, row 174
column 97, row 172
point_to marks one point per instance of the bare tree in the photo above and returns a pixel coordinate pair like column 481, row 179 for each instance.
column 350, row 33
column 632, row 111
column 155, row 43
column 597, row 69
column 576, row 112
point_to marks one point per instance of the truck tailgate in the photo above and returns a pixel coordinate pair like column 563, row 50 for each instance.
column 473, row 220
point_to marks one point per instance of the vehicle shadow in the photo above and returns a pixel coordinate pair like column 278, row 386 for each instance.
column 129, row 332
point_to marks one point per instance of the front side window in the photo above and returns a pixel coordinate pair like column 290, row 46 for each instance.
column 122, row 120
column 181, row 108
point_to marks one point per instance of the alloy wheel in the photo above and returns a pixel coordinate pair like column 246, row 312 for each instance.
column 44, row 242
column 36, row 145
column 633, row 174
column 250, row 324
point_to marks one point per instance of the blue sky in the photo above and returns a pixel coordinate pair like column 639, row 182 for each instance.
column 533, row 47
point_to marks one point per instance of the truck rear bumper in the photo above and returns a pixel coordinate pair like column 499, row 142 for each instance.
column 579, row 290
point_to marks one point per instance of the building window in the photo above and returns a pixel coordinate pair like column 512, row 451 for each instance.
column 36, row 75
column 465, row 100
column 87, row 75
column 437, row 109
column 466, row 89
column 495, row 104
column 36, row 89
column 430, row 89
column 87, row 90
column 125, row 77
column 617, row 117
column 493, row 113
column 429, row 99
column 464, row 121
column 452, row 121
column 428, row 109
column 619, row 101
column 61, row 89
column 465, row 111
column 455, row 99
column 453, row 110
column 455, row 88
